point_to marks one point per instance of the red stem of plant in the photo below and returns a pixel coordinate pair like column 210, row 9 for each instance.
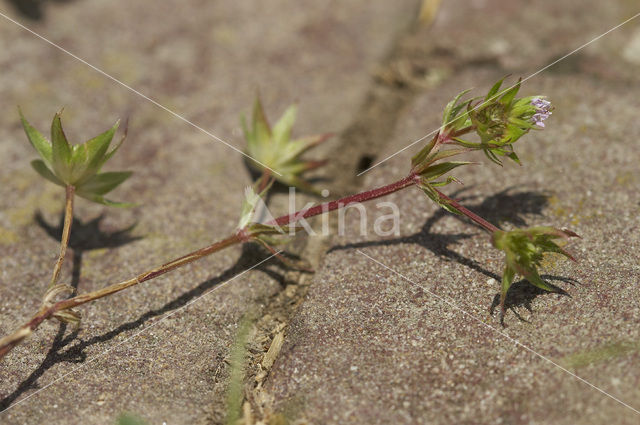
column 473, row 216
column 241, row 236
column 343, row 202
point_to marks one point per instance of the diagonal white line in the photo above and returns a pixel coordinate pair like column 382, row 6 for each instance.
column 501, row 91
column 107, row 351
column 98, row 70
column 454, row 306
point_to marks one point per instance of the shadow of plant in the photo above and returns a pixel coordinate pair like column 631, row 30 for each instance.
column 33, row 9
column 503, row 207
column 521, row 295
column 251, row 255
column 86, row 236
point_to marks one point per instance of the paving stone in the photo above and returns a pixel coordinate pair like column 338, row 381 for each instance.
column 206, row 61
column 416, row 343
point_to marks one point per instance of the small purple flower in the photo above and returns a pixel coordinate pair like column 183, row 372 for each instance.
column 543, row 111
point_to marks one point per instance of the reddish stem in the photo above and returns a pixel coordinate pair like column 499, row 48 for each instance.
column 343, row 202
column 473, row 216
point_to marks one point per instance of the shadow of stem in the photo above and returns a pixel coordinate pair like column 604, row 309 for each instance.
column 506, row 206
column 250, row 256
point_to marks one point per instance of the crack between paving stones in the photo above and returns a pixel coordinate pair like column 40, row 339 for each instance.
column 400, row 77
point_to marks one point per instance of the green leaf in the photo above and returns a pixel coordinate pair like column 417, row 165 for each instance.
column 60, row 151
column 109, row 154
column 274, row 149
column 446, row 154
column 418, row 160
column 37, row 140
column 492, row 156
column 99, row 199
column 514, row 157
column 452, row 109
column 449, row 180
column 435, row 197
column 437, row 170
column 534, row 278
column 494, row 90
column 42, row 169
column 282, row 129
column 251, row 199
column 87, row 158
column 510, row 94
column 248, row 134
column 507, row 279
column 103, row 183
column 261, row 130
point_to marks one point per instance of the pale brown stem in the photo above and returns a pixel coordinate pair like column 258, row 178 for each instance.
column 10, row 341
column 66, row 232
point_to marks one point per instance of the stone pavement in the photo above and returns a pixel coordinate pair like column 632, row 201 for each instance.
column 416, row 344
column 205, row 61
column 365, row 345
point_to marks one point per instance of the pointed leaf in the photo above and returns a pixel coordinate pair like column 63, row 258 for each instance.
column 60, row 151
column 104, row 182
column 452, row 110
column 507, row 279
column 248, row 134
column 447, row 153
column 418, row 160
column 251, row 199
column 514, row 157
column 449, row 179
column 87, row 158
column 109, row 154
column 534, row 278
column 494, row 90
column 261, row 129
column 282, row 129
column 510, row 94
column 438, row 170
column 300, row 146
column 42, row 169
column 433, row 195
column 492, row 156
column 37, row 140
column 101, row 200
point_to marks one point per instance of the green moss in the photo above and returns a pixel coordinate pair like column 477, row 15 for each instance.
column 237, row 360
column 7, row 237
column 600, row 354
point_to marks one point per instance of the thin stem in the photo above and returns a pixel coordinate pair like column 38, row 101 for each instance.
column 46, row 312
column 8, row 342
column 265, row 180
column 347, row 200
column 463, row 131
column 473, row 216
column 66, row 232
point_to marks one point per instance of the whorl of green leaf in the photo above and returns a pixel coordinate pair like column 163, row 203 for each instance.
column 524, row 250
column 77, row 165
column 274, row 148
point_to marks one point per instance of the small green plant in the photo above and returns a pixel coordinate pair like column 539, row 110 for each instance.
column 237, row 371
column 129, row 419
column 274, row 148
column 498, row 120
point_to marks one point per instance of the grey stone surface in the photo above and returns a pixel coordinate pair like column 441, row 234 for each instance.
column 205, row 60
column 369, row 346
